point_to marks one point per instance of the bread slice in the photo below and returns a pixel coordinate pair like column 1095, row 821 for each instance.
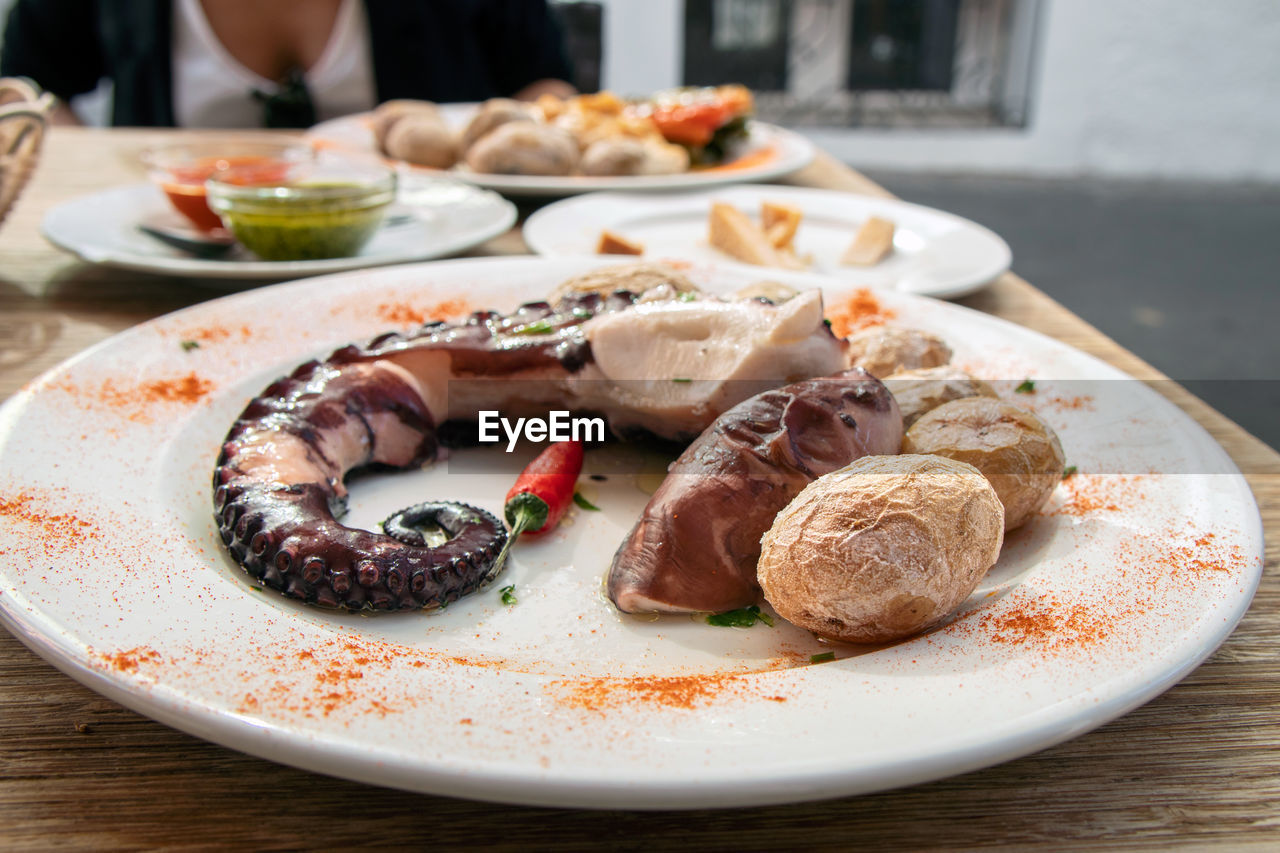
column 732, row 232
column 871, row 244
column 780, row 222
column 615, row 244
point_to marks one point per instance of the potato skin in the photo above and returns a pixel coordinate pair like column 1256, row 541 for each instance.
column 391, row 113
column 492, row 114
column 885, row 350
column 925, row 389
column 881, row 549
column 524, row 148
column 1018, row 452
column 626, row 156
column 423, row 142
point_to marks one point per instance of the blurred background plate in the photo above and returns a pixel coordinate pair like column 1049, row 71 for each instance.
column 432, row 218
column 769, row 152
column 935, row 253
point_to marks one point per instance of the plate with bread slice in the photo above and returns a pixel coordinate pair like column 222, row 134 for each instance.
column 873, row 242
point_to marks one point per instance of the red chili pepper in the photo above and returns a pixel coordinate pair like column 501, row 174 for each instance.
column 542, row 494
column 544, row 490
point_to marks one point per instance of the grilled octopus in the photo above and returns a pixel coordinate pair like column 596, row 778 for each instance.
column 600, row 349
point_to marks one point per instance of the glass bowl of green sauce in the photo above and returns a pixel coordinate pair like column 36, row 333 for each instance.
column 326, row 209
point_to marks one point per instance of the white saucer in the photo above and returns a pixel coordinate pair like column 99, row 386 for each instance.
column 433, row 218
column 935, row 253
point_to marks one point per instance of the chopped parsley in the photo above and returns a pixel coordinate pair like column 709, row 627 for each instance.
column 584, row 503
column 1027, row 386
column 741, row 618
column 188, row 346
column 542, row 327
column 687, row 296
column 509, row 595
column 822, row 657
column 1069, row 471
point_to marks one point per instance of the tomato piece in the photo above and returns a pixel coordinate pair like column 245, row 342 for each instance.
column 691, row 124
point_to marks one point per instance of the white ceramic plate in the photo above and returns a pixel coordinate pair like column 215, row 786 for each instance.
column 111, row 568
column 769, row 152
column 432, row 218
column 935, row 253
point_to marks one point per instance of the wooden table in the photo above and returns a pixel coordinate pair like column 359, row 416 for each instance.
column 1201, row 763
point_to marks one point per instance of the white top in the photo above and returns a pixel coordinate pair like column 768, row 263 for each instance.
column 212, row 89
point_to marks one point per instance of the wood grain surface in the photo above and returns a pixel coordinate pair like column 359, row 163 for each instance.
column 1199, row 765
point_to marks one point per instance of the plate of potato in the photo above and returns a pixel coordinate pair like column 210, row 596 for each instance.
column 686, row 139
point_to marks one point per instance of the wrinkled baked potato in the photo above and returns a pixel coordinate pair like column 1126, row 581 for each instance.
column 628, row 156
column 390, row 113
column 922, row 390
column 885, row 350
column 493, row 114
column 1017, row 451
column 423, row 142
column 881, row 549
column 524, row 148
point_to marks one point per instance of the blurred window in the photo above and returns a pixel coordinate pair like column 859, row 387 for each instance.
column 883, row 63
column 740, row 41
column 902, row 45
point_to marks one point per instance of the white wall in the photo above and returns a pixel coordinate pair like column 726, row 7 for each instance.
column 1132, row 88
column 643, row 45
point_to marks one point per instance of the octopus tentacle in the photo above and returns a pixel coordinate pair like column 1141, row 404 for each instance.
column 475, row 544
column 459, row 520
column 278, row 484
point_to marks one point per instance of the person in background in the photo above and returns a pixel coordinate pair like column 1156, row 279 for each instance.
column 269, row 63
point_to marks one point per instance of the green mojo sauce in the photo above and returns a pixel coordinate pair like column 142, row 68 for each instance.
column 303, row 229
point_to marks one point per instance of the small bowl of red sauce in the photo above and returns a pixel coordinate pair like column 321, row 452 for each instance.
column 181, row 170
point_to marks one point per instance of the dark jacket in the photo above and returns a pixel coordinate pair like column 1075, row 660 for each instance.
column 435, row 50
